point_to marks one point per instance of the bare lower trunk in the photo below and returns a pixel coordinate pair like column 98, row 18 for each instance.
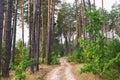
column 66, row 46
column 49, row 32
column 33, row 43
column 14, row 30
column 43, row 35
column 7, row 52
column 103, row 15
column 22, row 18
column 29, row 25
column 77, row 26
column 1, row 29
column 49, row 43
column 38, row 34
column 5, row 22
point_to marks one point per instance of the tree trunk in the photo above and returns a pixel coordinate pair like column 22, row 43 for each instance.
column 77, row 26
column 29, row 25
column 83, row 19
column 89, row 3
column 94, row 4
column 5, row 23
column 66, row 46
column 84, row 5
column 103, row 14
column 14, row 30
column 49, row 32
column 22, row 19
column 38, row 33
column 52, row 15
column 7, row 52
column 80, row 30
column 1, row 29
column 33, row 43
column 43, row 34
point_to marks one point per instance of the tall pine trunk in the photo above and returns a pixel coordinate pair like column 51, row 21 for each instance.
column 29, row 25
column 38, row 33
column 94, row 4
column 33, row 43
column 43, row 33
column 80, row 29
column 83, row 19
column 7, row 52
column 1, row 29
column 89, row 3
column 14, row 31
column 5, row 22
column 103, row 14
column 22, row 19
column 49, row 32
column 77, row 26
column 66, row 45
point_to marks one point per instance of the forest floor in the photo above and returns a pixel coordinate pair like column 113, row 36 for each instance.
column 69, row 71
column 64, row 71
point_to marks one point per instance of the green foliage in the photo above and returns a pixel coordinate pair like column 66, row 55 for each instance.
column 118, row 32
column 77, row 56
column 57, row 52
column 19, row 70
column 54, row 58
column 22, row 62
column 96, row 21
column 102, row 57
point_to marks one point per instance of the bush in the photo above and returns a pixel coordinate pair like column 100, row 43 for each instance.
column 103, row 58
column 54, row 58
column 57, row 52
column 77, row 56
column 20, row 69
column 21, row 63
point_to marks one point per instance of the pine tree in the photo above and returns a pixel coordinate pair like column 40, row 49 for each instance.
column 1, row 28
column 7, row 52
column 14, row 30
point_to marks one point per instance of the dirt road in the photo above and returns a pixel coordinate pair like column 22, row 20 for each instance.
column 63, row 72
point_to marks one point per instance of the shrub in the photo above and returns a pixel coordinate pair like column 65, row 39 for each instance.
column 77, row 56
column 22, row 62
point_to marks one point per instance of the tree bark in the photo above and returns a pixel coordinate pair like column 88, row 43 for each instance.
column 5, row 22
column 22, row 19
column 14, row 31
column 77, row 26
column 66, row 46
column 7, row 52
column 94, row 3
column 103, row 14
column 49, row 32
column 83, row 19
column 1, row 29
column 33, row 43
column 38, row 34
column 29, row 25
column 84, row 5
column 89, row 3
column 43, row 33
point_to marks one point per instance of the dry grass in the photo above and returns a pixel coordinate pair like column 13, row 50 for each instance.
column 39, row 75
column 85, row 76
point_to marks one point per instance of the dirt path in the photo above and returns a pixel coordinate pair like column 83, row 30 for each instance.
column 63, row 72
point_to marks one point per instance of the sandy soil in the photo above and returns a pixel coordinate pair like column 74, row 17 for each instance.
column 63, row 72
